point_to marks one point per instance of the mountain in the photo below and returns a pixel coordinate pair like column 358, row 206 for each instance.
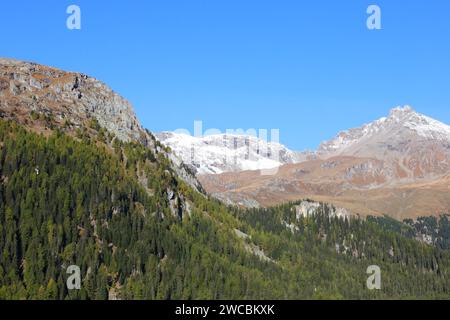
column 380, row 168
column 400, row 130
column 411, row 145
column 215, row 154
column 414, row 145
column 29, row 87
column 43, row 98
column 109, row 198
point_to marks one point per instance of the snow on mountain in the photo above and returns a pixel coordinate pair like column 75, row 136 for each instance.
column 411, row 142
column 215, row 154
column 425, row 126
column 401, row 128
column 397, row 165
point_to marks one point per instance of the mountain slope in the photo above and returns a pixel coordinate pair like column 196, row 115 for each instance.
column 380, row 168
column 215, row 154
column 403, row 125
column 26, row 87
column 120, row 210
column 43, row 98
column 131, row 244
column 412, row 145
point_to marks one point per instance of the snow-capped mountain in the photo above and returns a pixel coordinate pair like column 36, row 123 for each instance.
column 401, row 128
column 410, row 144
column 215, row 154
column 395, row 165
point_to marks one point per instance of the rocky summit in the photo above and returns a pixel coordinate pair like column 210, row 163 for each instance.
column 42, row 97
column 29, row 87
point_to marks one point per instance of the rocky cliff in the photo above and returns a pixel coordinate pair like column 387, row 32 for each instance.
column 27, row 87
column 42, row 97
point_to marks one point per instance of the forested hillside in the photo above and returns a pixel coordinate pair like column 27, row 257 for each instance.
column 137, row 231
column 432, row 230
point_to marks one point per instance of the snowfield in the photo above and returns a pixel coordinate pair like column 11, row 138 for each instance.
column 215, row 154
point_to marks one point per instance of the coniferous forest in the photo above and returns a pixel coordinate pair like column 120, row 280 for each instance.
column 108, row 207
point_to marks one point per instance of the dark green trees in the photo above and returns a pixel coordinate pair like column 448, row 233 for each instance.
column 106, row 208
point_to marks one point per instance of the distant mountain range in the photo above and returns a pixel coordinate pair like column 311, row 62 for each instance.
column 83, row 184
column 397, row 165
column 215, row 154
column 405, row 135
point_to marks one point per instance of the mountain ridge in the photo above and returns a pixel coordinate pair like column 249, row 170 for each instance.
column 209, row 154
column 49, row 90
column 42, row 97
column 375, row 169
column 405, row 149
column 400, row 119
column 219, row 153
column 74, row 194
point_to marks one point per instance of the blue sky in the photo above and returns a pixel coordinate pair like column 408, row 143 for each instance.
column 308, row 68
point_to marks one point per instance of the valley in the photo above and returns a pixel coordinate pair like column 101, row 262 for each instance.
column 396, row 166
column 83, row 184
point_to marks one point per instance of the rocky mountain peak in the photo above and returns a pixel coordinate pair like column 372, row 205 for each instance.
column 401, row 112
column 396, row 165
column 72, row 99
column 27, row 87
column 402, row 126
column 215, row 154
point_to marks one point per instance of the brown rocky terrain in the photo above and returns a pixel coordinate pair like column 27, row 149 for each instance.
column 65, row 97
column 397, row 166
column 357, row 194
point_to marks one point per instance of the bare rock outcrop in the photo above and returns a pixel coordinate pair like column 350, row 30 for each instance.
column 28, row 89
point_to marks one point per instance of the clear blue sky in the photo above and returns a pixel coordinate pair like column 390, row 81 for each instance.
column 309, row 68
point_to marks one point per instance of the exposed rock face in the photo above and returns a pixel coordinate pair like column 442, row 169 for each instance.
column 308, row 208
column 396, row 165
column 396, row 132
column 26, row 87
column 185, row 172
column 75, row 98
column 410, row 144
